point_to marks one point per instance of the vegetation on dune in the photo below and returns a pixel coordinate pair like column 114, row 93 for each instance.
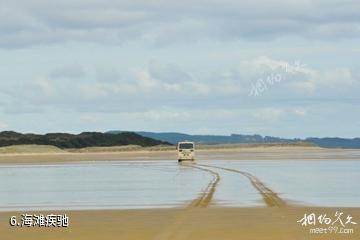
column 126, row 148
column 17, row 149
column 83, row 140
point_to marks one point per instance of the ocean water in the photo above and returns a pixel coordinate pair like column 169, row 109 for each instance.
column 161, row 184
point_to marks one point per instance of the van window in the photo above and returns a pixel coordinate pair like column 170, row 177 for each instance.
column 186, row 146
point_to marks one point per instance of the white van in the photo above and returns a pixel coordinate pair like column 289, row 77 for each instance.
column 186, row 151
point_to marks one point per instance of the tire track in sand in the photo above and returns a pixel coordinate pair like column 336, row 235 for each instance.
column 206, row 197
column 176, row 230
column 270, row 197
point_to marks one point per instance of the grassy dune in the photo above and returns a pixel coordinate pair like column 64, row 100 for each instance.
column 23, row 149
column 130, row 148
column 254, row 145
column 33, row 149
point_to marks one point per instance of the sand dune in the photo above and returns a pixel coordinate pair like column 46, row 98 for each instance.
column 236, row 153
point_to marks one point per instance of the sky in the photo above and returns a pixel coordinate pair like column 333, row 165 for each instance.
column 280, row 68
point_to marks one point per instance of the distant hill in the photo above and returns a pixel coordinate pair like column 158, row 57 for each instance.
column 86, row 139
column 173, row 137
column 335, row 142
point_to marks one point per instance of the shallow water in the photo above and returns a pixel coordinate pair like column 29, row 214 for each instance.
column 331, row 183
column 154, row 184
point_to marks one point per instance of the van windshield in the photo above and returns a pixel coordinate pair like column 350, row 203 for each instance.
column 186, row 146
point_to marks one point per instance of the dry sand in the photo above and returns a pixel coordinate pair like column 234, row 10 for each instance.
column 171, row 224
column 233, row 153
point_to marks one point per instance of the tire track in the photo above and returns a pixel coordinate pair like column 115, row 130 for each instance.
column 175, row 230
column 270, row 197
column 206, row 197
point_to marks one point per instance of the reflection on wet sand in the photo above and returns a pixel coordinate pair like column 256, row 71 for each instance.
column 155, row 184
column 194, row 196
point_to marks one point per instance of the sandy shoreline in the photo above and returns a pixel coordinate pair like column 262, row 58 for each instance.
column 198, row 224
column 250, row 153
column 197, row 221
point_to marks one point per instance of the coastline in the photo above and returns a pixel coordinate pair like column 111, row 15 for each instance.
column 189, row 222
column 215, row 153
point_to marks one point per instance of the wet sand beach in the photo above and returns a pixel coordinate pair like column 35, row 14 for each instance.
column 203, row 218
column 194, row 224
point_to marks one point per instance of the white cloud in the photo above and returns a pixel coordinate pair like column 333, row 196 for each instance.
column 294, row 78
column 147, row 61
column 32, row 22
column 144, row 80
column 174, row 86
column 165, row 97
column 327, row 82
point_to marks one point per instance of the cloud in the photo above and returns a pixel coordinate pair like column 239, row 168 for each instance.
column 165, row 80
column 162, row 96
column 337, row 81
column 293, row 79
column 173, row 86
column 144, row 80
column 33, row 22
column 158, row 62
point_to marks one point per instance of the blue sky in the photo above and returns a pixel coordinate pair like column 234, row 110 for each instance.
column 281, row 68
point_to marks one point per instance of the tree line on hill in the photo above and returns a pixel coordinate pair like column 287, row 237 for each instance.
column 146, row 139
column 85, row 139
column 173, row 137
